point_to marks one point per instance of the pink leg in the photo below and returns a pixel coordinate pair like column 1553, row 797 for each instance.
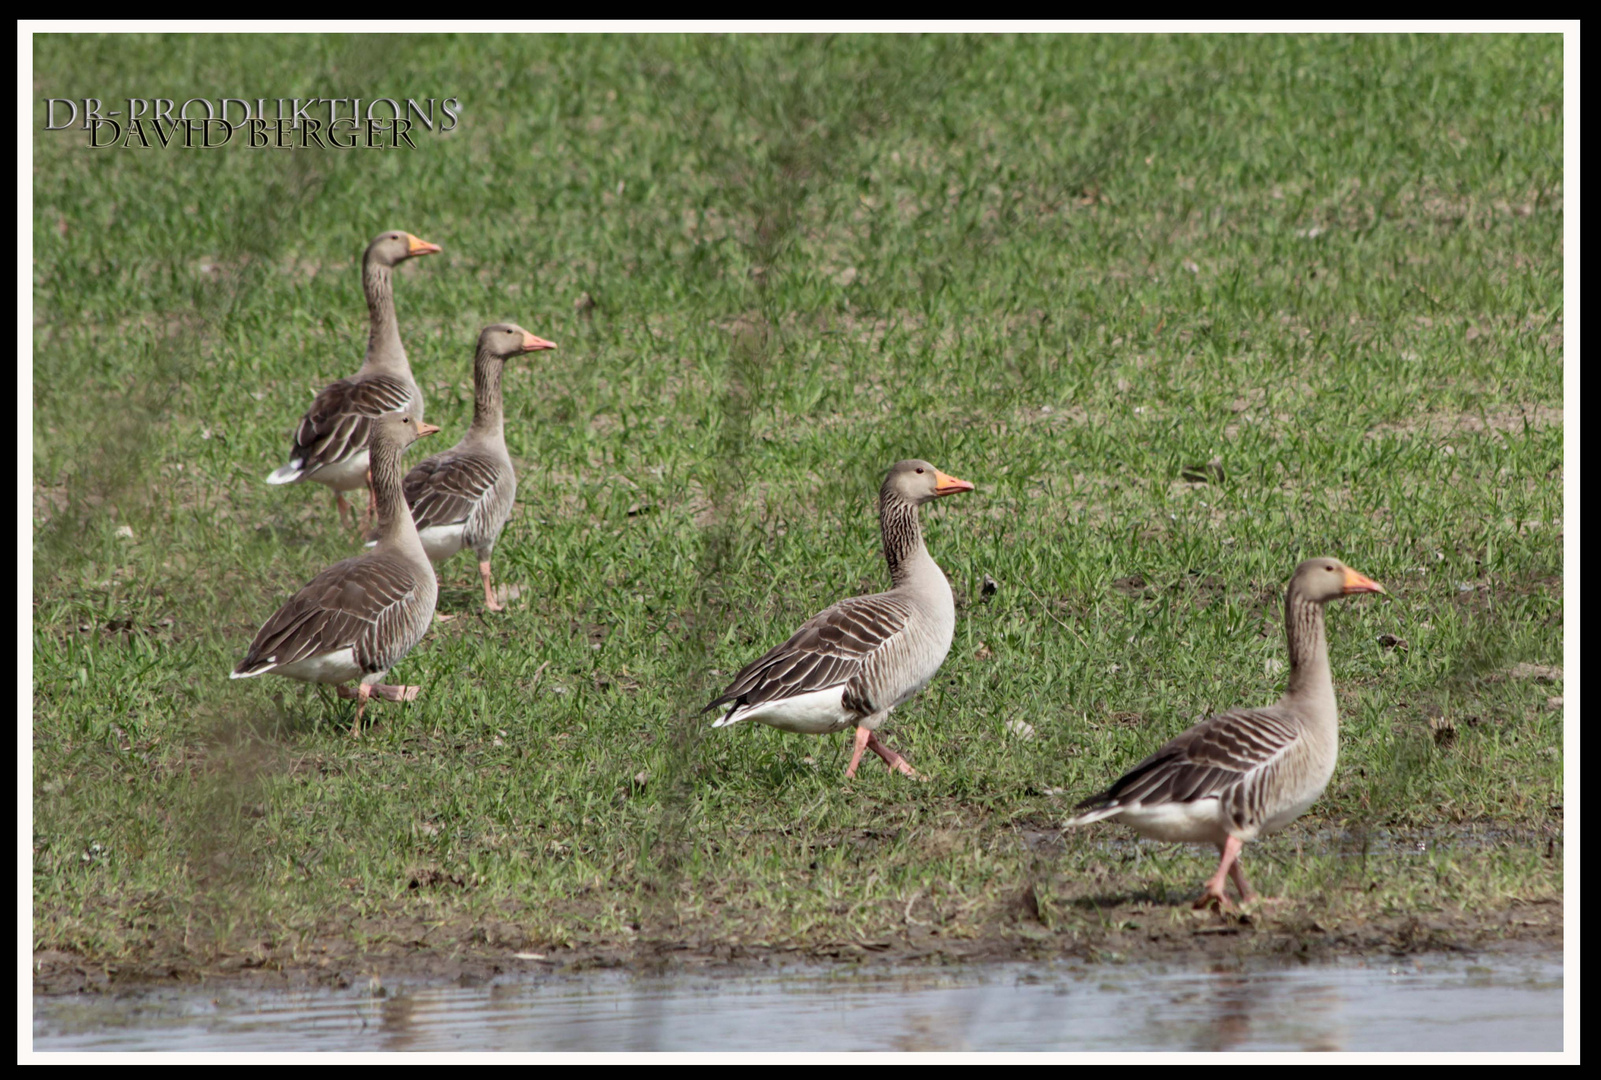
column 895, row 762
column 383, row 691
column 341, row 507
column 489, row 592
column 862, row 737
column 1237, row 873
column 1213, row 893
column 361, row 693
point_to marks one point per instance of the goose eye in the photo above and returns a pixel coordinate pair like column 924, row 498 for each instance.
column 919, row 472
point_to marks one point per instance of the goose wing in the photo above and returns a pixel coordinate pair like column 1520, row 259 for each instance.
column 829, row 649
column 1229, row 756
column 377, row 606
column 335, row 428
column 446, row 488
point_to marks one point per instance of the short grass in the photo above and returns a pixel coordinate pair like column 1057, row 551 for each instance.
column 1186, row 310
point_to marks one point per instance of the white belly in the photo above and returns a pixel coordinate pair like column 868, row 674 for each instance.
column 347, row 475
column 443, row 541
column 817, row 713
column 1287, row 814
column 1199, row 822
column 915, row 688
column 335, row 667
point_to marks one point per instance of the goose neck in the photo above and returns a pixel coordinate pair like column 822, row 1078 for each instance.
column 395, row 525
column 903, row 540
column 488, row 410
column 1310, row 677
column 384, row 350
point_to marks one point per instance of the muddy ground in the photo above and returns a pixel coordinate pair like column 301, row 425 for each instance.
column 420, row 951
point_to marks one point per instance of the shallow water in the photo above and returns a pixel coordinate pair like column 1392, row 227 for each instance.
column 1431, row 1003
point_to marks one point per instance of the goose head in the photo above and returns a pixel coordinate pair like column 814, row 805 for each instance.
column 396, row 246
column 917, row 482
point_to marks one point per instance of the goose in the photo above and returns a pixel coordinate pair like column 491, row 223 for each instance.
column 1243, row 773
column 854, row 662
column 359, row 617
column 330, row 443
column 463, row 497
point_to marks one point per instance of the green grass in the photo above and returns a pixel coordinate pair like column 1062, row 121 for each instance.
column 1067, row 269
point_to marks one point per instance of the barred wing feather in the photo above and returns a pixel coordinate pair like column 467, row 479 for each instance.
column 367, row 604
column 1230, row 756
column 336, row 426
column 447, row 488
column 828, row 650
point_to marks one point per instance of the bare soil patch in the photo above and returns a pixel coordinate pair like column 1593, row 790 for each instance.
column 1109, row 923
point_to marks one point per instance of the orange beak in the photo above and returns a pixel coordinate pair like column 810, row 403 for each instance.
column 949, row 485
column 1355, row 583
column 420, row 247
column 534, row 344
column 427, row 429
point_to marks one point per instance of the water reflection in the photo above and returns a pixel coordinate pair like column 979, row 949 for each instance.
column 1423, row 1005
column 1227, row 1009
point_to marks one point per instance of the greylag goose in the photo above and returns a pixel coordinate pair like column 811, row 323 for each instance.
column 1243, row 773
column 356, row 619
column 330, row 443
column 859, row 659
column 463, row 497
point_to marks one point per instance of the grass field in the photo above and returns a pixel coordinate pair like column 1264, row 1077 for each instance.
column 1186, row 310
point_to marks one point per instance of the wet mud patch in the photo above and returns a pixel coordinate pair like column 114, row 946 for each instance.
column 1114, row 921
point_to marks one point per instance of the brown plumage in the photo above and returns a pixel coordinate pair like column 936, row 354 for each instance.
column 854, row 662
column 1246, row 772
column 463, row 497
column 330, row 442
column 359, row 617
